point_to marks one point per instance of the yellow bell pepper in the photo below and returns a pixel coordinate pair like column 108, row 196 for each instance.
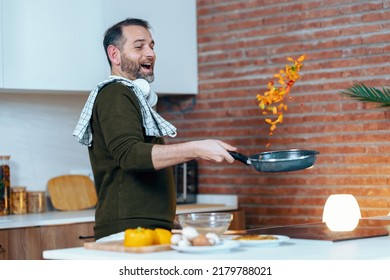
column 139, row 237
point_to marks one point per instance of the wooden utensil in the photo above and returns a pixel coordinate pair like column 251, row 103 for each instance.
column 72, row 192
column 117, row 246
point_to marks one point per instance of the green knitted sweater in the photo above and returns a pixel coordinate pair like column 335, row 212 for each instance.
column 131, row 192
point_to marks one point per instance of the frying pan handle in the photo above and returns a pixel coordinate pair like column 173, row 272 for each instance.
column 240, row 157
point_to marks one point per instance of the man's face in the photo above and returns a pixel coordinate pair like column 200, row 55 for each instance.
column 137, row 55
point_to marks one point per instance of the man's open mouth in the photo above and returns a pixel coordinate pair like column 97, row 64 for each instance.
column 147, row 66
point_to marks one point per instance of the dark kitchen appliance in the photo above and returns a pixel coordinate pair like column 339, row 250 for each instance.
column 186, row 180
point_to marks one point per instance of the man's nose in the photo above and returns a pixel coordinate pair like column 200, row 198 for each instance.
column 149, row 52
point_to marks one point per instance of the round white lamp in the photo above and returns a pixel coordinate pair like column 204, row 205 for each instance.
column 341, row 212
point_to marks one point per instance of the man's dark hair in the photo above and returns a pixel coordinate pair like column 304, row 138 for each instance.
column 114, row 35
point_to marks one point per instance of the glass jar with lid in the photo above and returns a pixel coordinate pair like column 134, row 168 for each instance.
column 36, row 202
column 5, row 184
column 18, row 200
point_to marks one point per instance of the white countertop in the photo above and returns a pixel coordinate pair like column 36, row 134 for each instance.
column 370, row 248
column 374, row 248
column 47, row 219
column 212, row 202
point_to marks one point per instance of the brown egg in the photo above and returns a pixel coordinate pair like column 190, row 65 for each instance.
column 200, row 240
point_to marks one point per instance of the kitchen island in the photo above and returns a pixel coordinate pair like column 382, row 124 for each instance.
column 374, row 248
column 314, row 241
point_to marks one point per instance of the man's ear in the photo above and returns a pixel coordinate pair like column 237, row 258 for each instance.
column 114, row 55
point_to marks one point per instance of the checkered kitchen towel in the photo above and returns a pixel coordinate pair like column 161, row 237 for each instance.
column 153, row 123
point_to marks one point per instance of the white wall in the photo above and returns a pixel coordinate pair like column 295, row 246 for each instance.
column 36, row 130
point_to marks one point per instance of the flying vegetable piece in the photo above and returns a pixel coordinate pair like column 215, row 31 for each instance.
column 272, row 101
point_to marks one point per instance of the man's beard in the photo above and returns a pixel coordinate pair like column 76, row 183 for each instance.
column 135, row 70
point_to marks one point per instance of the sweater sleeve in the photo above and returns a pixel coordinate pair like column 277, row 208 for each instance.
column 119, row 119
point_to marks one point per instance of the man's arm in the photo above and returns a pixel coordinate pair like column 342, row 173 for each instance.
column 210, row 149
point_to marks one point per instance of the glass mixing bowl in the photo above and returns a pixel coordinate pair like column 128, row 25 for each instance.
column 204, row 223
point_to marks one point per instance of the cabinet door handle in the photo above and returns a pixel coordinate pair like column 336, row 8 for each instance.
column 86, row 237
column 2, row 250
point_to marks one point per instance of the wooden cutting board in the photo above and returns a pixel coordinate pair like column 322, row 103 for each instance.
column 72, row 192
column 117, row 246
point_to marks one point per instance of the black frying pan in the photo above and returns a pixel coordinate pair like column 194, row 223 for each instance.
column 279, row 161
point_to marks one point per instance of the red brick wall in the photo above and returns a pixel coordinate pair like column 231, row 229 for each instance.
column 241, row 45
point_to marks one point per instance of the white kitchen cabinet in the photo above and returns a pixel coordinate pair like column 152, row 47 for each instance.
column 57, row 45
column 52, row 45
